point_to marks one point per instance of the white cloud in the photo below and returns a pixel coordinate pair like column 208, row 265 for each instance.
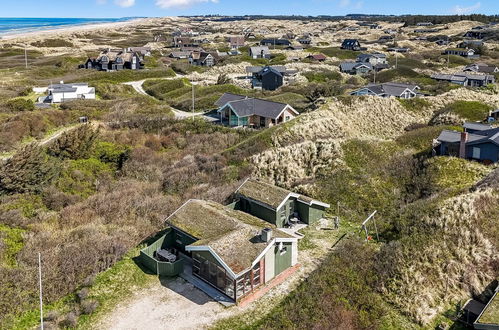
column 466, row 10
column 125, row 3
column 180, row 3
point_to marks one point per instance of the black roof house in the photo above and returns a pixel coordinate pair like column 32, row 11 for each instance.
column 275, row 42
column 351, row 44
column 270, row 78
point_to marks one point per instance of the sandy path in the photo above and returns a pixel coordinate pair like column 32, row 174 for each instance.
column 169, row 304
column 179, row 114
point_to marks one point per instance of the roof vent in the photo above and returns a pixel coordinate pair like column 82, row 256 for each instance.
column 266, row 234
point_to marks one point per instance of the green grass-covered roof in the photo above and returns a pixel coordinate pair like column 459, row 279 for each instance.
column 233, row 235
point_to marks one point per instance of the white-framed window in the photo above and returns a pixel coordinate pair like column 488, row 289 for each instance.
column 476, row 153
column 287, row 118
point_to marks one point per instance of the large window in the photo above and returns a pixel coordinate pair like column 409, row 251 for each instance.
column 212, row 273
column 248, row 281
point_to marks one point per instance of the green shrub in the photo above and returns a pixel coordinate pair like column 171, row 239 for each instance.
column 470, row 110
column 158, row 88
column 20, row 104
column 27, row 171
column 421, row 139
column 75, row 143
column 453, row 174
column 108, row 152
column 416, row 104
column 81, row 177
column 322, row 76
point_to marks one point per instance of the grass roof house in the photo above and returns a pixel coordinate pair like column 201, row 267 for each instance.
column 233, row 251
column 277, row 205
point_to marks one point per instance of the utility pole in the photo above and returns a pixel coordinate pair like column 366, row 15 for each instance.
column 193, row 104
column 448, row 60
column 374, row 69
column 396, row 59
column 40, row 278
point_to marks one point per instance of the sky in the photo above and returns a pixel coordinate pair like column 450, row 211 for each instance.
column 156, row 8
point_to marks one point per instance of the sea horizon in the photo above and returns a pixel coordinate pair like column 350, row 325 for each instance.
column 19, row 25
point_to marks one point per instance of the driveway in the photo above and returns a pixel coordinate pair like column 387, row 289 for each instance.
column 166, row 304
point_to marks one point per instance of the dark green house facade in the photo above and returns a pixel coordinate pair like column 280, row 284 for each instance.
column 277, row 205
column 234, row 252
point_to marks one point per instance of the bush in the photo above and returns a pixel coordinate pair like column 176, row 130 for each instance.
column 470, row 110
column 108, row 152
column 416, row 104
column 20, row 104
column 70, row 320
column 89, row 306
column 83, row 176
column 75, row 143
column 27, row 171
column 322, row 76
column 82, row 294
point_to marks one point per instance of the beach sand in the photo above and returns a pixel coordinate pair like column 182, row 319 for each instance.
column 67, row 31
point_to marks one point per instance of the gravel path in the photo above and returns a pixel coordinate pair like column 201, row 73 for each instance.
column 169, row 304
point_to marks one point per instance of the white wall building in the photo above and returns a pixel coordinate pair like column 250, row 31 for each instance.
column 58, row 93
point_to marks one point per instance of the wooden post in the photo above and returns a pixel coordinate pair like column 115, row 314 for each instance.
column 40, row 280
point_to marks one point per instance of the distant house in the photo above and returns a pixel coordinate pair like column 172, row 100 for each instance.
column 276, row 205
column 442, row 42
column 384, row 39
column 115, row 60
column 351, row 44
column 398, row 49
column 268, row 77
column 460, row 52
column 474, row 44
column 424, row 24
column 377, row 60
column 180, row 54
column 236, row 42
column 317, row 57
column 234, row 252
column 144, row 51
column 474, row 34
column 305, row 41
column 355, row 68
column 466, row 79
column 58, row 93
column 275, row 42
column 241, row 111
column 404, row 91
column 426, row 30
column 295, row 48
column 481, row 144
column 202, row 58
column 183, row 42
column 259, row 52
column 481, row 68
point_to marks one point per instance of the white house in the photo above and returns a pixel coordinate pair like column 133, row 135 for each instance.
column 58, row 93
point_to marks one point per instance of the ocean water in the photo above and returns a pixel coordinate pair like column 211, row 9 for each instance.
column 10, row 26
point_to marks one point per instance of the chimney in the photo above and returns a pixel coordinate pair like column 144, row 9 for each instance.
column 266, row 234
column 462, row 145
